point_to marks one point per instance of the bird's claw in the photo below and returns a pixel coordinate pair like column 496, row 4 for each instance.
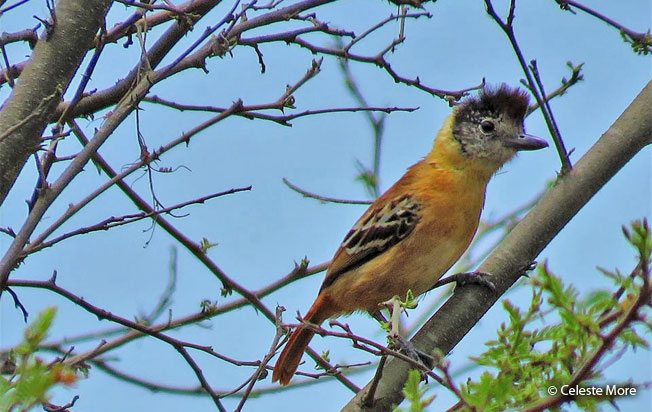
column 404, row 346
column 475, row 278
column 468, row 278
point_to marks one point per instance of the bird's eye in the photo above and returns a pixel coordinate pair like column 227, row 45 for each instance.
column 487, row 126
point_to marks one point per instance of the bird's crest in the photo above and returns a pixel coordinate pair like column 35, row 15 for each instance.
column 512, row 102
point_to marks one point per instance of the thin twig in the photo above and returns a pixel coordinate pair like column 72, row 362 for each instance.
column 270, row 354
column 150, row 7
column 253, row 111
column 115, row 221
column 305, row 193
column 52, row 286
column 645, row 39
column 13, row 6
column 576, row 76
column 383, row 22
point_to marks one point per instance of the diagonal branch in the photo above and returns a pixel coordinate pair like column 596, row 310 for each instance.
column 115, row 221
column 54, row 61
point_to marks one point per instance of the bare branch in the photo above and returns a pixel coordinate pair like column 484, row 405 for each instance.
column 253, row 111
column 641, row 42
column 48, row 73
column 115, row 221
column 324, row 198
column 576, row 76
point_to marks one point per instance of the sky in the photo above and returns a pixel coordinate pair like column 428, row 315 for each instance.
column 260, row 234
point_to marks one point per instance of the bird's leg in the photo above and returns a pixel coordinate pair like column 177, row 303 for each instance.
column 397, row 341
column 478, row 278
column 395, row 305
column 467, row 278
column 394, row 335
column 395, row 318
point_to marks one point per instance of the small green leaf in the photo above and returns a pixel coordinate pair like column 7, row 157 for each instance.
column 205, row 244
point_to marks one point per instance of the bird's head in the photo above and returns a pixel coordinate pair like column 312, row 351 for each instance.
column 489, row 127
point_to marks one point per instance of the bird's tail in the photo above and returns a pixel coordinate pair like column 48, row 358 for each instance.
column 288, row 362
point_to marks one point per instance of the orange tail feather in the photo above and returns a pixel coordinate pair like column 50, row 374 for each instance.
column 288, row 362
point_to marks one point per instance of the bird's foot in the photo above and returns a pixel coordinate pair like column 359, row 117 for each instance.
column 468, row 278
column 404, row 346
column 398, row 342
column 395, row 306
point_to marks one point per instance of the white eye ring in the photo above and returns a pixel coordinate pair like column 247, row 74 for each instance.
column 487, row 126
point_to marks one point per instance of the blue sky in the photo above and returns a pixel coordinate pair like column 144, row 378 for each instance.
column 261, row 233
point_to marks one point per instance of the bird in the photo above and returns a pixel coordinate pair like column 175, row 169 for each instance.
column 414, row 232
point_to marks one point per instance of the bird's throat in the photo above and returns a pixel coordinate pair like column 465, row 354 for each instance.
column 448, row 154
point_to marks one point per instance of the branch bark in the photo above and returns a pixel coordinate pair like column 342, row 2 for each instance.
column 624, row 139
column 38, row 90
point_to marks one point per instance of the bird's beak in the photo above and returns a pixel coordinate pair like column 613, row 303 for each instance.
column 525, row 142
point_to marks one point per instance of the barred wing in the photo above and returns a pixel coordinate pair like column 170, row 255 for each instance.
column 377, row 230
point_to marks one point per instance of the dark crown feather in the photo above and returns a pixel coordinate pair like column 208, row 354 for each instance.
column 512, row 102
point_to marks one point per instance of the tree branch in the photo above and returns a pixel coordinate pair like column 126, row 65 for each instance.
column 56, row 57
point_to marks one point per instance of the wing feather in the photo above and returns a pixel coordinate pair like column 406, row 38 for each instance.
column 377, row 230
